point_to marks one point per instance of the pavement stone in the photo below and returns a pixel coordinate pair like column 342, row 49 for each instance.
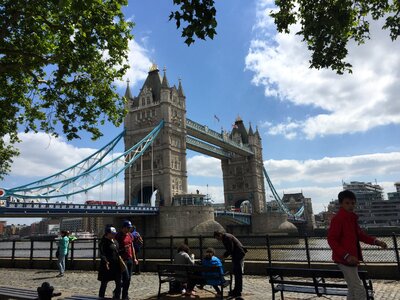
column 145, row 285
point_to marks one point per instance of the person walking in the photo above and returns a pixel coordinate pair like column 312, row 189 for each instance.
column 235, row 249
column 344, row 236
column 127, row 252
column 62, row 252
column 137, row 244
column 109, row 269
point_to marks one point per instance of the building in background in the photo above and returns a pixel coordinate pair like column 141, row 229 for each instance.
column 3, row 225
column 71, row 224
column 395, row 195
column 372, row 209
column 294, row 202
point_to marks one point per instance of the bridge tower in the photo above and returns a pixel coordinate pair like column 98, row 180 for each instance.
column 243, row 175
column 156, row 101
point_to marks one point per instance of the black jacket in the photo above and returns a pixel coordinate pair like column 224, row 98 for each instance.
column 233, row 247
column 108, row 253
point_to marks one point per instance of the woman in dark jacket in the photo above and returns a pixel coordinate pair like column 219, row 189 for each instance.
column 109, row 265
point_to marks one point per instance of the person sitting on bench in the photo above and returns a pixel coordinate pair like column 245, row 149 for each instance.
column 211, row 260
column 183, row 258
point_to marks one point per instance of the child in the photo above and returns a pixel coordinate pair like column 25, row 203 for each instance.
column 343, row 237
column 211, row 260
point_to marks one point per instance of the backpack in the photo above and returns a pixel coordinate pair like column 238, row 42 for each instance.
column 137, row 241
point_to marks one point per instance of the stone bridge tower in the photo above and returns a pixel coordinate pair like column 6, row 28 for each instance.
column 243, row 176
column 156, row 101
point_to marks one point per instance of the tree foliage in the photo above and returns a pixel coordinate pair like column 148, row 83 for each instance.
column 327, row 26
column 58, row 62
column 199, row 17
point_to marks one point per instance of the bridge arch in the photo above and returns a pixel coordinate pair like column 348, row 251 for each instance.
column 148, row 189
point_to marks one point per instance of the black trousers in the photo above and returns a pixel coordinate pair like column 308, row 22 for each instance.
column 238, row 274
column 117, row 291
column 126, row 278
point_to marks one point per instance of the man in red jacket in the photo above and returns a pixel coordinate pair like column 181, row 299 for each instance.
column 344, row 238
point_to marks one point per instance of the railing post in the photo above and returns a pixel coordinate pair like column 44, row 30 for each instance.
column 396, row 250
column 72, row 255
column 13, row 253
column 171, row 253
column 51, row 253
column 307, row 251
column 94, row 253
column 268, row 250
column 201, row 246
column 31, row 254
column 144, row 254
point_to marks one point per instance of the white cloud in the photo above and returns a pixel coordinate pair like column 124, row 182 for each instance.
column 331, row 170
column 355, row 102
column 201, row 165
column 43, row 155
column 318, row 179
column 216, row 193
column 139, row 64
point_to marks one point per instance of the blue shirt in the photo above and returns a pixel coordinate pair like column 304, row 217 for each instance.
column 214, row 261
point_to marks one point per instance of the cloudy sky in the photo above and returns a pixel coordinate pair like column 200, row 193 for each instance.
column 318, row 128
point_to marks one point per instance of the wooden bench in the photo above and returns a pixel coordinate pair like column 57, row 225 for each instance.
column 312, row 281
column 188, row 273
column 17, row 293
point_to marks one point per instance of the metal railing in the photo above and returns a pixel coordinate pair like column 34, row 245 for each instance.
column 266, row 249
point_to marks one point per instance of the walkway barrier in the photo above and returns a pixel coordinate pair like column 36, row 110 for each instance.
column 269, row 249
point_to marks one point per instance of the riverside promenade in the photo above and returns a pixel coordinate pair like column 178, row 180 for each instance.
column 145, row 285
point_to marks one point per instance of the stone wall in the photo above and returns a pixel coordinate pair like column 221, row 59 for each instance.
column 180, row 220
column 264, row 223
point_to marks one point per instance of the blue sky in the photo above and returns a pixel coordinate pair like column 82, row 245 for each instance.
column 317, row 128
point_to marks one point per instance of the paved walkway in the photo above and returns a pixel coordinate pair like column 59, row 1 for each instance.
column 145, row 285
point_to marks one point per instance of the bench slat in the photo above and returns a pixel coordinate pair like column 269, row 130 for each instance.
column 191, row 273
column 314, row 281
column 17, row 293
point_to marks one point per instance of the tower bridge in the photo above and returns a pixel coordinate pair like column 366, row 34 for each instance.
column 156, row 136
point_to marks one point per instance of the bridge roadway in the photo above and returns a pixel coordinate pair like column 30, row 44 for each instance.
column 25, row 209
column 203, row 133
column 28, row 209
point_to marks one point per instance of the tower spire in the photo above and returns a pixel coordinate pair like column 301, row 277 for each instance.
column 165, row 83
column 180, row 89
column 250, row 129
column 128, row 94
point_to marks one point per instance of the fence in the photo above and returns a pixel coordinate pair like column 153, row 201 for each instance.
column 301, row 249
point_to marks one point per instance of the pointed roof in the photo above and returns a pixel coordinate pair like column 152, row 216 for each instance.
column 153, row 82
column 239, row 128
column 128, row 94
column 257, row 133
column 165, row 83
column 250, row 130
column 180, row 89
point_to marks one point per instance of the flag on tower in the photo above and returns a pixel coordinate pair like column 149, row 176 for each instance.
column 235, row 126
column 215, row 116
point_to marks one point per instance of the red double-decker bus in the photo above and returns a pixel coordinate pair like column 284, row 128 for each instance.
column 97, row 202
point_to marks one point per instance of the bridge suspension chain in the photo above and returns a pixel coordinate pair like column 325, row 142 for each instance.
column 278, row 199
column 90, row 173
